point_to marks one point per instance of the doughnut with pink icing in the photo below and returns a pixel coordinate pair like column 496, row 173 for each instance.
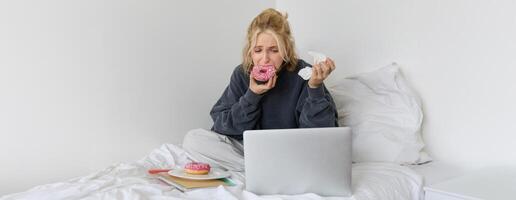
column 262, row 73
column 197, row 168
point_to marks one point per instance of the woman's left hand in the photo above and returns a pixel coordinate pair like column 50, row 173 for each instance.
column 320, row 72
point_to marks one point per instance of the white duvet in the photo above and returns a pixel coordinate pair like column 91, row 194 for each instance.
column 131, row 181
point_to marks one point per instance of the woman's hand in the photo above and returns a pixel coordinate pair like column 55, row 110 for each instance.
column 320, row 72
column 260, row 89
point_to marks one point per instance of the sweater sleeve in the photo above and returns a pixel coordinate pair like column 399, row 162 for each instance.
column 238, row 108
column 316, row 108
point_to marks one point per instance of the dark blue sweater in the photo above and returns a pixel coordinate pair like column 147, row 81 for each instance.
column 290, row 104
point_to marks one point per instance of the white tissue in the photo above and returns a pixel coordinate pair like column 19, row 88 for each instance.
column 318, row 57
column 306, row 72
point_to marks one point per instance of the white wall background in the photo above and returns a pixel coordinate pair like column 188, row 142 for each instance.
column 85, row 84
column 459, row 55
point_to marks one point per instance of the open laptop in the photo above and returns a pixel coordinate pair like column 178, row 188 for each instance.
column 297, row 161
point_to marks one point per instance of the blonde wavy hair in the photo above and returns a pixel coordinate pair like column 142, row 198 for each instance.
column 273, row 22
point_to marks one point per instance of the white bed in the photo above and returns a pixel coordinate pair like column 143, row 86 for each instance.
column 130, row 181
column 379, row 106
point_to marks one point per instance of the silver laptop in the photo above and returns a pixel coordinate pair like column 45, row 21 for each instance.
column 297, row 161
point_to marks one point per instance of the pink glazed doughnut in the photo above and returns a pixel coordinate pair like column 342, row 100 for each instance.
column 197, row 168
column 262, row 73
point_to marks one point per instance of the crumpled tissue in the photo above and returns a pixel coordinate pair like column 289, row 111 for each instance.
column 306, row 72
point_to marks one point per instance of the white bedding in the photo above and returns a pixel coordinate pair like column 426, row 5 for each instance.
column 130, row 181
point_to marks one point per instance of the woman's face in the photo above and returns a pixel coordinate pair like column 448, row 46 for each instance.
column 266, row 51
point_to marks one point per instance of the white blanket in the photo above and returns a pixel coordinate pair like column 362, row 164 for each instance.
column 131, row 181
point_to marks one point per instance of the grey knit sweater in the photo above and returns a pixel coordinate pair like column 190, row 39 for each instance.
column 290, row 104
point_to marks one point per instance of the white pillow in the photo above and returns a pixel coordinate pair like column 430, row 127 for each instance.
column 384, row 114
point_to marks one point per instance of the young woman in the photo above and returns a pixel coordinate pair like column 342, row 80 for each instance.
column 284, row 101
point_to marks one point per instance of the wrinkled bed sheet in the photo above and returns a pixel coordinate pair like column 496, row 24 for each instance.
column 131, row 181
